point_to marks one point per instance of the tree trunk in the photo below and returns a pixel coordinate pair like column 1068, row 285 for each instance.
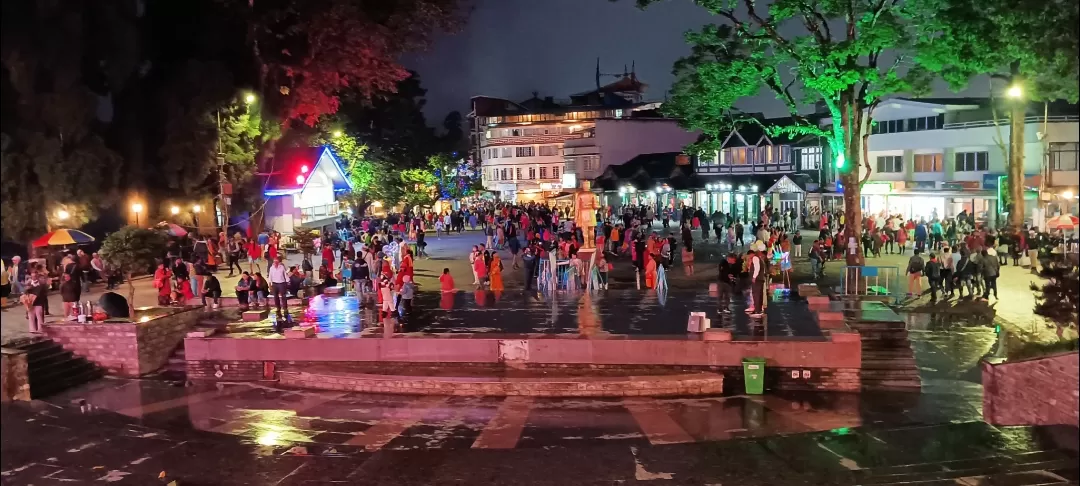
column 131, row 296
column 1016, row 164
column 849, row 177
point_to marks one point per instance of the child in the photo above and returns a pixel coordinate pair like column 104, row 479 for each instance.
column 446, row 281
column 688, row 259
column 602, row 267
column 387, row 294
column 408, row 290
column 439, row 227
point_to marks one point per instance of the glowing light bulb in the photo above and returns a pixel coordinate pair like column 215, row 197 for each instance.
column 299, row 179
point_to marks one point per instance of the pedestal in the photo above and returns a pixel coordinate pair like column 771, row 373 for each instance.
column 255, row 315
column 587, row 256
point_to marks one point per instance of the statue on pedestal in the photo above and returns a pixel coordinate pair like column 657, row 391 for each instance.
column 585, row 205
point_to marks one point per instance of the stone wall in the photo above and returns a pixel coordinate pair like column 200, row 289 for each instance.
column 1041, row 391
column 14, row 375
column 127, row 348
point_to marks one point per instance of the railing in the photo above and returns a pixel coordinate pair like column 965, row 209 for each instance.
column 865, row 280
column 1004, row 121
column 315, row 213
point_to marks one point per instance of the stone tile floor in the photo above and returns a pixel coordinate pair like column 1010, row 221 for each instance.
column 559, row 444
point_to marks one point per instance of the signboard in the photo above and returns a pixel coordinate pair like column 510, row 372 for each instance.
column 569, row 181
column 921, row 185
column 877, row 188
column 959, row 185
column 550, row 186
column 990, row 181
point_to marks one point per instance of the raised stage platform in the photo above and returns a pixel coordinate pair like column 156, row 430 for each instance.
column 488, row 329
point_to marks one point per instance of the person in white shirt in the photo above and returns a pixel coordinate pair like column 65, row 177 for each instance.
column 279, row 284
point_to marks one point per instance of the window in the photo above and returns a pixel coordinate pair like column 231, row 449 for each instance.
column 504, row 176
column 591, row 163
column 555, row 172
column 972, row 161
column 810, row 158
column 507, row 151
column 517, row 174
column 525, row 151
column 532, row 172
column 494, row 175
column 735, row 156
column 928, row 163
column 543, row 172
column 1064, row 156
column 890, row 163
column 549, row 150
column 515, row 132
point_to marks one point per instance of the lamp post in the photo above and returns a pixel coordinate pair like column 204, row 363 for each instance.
column 249, row 99
column 195, row 210
column 136, row 208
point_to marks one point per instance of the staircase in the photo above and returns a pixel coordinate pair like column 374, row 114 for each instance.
column 888, row 362
column 176, row 368
column 53, row 369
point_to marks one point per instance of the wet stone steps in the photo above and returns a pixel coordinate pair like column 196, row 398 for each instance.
column 888, row 360
column 52, row 369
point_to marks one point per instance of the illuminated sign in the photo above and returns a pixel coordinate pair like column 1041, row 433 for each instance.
column 877, row 188
column 569, row 181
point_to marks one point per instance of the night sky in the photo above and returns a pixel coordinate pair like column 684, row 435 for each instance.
column 511, row 48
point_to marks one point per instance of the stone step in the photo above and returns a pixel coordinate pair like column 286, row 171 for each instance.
column 888, row 374
column 887, row 353
column 882, row 335
column 891, row 385
column 860, row 325
column 977, row 471
column 691, row 384
column 55, row 356
column 888, row 363
column 61, row 377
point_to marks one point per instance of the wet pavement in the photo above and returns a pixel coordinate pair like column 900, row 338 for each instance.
column 517, row 312
column 257, row 437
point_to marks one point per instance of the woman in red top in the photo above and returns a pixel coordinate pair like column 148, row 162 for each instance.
column 328, row 256
column 406, row 268
column 254, row 251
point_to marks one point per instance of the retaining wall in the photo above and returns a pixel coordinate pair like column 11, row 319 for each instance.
column 1040, row 391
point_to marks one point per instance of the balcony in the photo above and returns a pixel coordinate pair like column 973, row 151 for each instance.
column 317, row 213
column 1004, row 121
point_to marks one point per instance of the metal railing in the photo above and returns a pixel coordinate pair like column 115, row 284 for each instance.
column 1004, row 121
column 315, row 213
column 868, row 280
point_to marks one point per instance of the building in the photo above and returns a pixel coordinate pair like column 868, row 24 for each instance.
column 934, row 157
column 520, row 145
column 302, row 187
column 617, row 140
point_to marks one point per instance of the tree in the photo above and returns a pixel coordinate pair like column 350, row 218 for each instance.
column 837, row 59
column 420, row 188
column 53, row 153
column 305, row 241
column 393, row 124
column 131, row 250
column 1058, row 299
column 1030, row 46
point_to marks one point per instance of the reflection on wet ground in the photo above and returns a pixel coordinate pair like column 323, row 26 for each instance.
column 948, row 348
column 271, row 416
column 519, row 312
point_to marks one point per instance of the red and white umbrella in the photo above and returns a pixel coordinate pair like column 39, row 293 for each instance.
column 1063, row 222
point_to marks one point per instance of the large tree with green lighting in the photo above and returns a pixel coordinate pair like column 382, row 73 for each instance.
column 838, row 57
column 1029, row 48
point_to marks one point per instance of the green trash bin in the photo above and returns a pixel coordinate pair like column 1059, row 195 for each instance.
column 754, row 375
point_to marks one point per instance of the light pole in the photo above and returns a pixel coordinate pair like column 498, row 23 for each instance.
column 195, row 210
column 136, row 208
column 249, row 99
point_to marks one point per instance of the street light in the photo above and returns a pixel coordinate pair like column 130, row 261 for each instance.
column 1015, row 92
column 174, row 210
column 249, row 98
column 336, row 134
column 62, row 215
column 1066, row 195
column 196, row 208
column 136, row 208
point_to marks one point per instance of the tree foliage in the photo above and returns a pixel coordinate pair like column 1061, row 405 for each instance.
column 1036, row 42
column 419, row 187
column 53, row 151
column 839, row 58
column 133, row 250
column 1058, row 299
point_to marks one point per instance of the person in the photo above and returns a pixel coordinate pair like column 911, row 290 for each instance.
column 688, row 259
column 933, row 273
column 446, row 281
column 480, row 270
column 574, row 269
column 421, row 245
column 386, row 294
column 233, row 251
column 472, row 263
column 650, row 271
column 254, row 252
column 405, row 297
column 728, row 273
column 34, row 297
column 243, row 289
column 991, row 269
column 495, row 273
column 279, row 281
column 531, row 262
column 602, row 268
column 758, row 275
column 360, row 275
column 296, row 281
column 162, row 282
column 70, row 291
column 262, row 290
column 212, row 289
column 796, row 244
column 914, row 271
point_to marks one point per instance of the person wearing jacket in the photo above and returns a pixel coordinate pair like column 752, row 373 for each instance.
column 991, row 268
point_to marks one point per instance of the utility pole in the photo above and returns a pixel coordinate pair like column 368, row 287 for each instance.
column 1017, row 114
column 223, row 201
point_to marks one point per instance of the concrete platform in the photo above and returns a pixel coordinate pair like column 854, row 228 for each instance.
column 255, row 315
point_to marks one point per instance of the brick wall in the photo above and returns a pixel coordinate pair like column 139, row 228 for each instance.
column 1041, row 391
column 14, row 376
column 128, row 348
column 228, row 370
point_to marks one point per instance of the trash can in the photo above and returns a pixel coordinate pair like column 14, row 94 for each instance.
column 754, row 375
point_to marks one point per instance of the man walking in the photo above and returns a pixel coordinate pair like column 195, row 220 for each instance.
column 933, row 271
column 279, row 284
column 725, row 285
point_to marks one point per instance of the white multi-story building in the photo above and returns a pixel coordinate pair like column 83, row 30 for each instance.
column 520, row 145
column 938, row 157
column 615, row 141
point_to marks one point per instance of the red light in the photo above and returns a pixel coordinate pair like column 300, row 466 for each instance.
column 299, row 179
column 303, row 169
